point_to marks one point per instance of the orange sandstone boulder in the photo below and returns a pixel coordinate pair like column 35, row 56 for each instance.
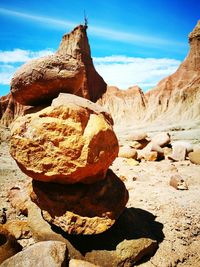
column 81, row 208
column 68, row 143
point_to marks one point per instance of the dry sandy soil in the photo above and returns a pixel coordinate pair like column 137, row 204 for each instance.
column 175, row 214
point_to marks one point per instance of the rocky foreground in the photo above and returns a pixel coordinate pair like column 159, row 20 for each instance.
column 154, row 210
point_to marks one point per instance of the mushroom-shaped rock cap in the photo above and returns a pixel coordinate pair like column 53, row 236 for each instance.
column 69, row 70
column 71, row 141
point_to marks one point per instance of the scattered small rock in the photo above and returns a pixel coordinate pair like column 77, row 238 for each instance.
column 127, row 152
column 178, row 182
column 18, row 197
column 19, row 229
column 81, row 263
column 161, row 139
column 178, row 153
column 194, row 157
column 132, row 162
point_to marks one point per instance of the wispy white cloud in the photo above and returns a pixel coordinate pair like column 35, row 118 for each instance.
column 118, row 70
column 106, row 33
column 6, row 73
column 19, row 55
column 43, row 19
column 125, row 71
column 10, row 61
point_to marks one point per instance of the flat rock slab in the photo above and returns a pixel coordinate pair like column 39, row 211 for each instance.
column 80, row 208
column 47, row 253
column 178, row 153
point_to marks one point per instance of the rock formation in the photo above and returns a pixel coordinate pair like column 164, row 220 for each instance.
column 125, row 106
column 9, row 109
column 71, row 141
column 69, row 70
column 174, row 99
column 79, row 208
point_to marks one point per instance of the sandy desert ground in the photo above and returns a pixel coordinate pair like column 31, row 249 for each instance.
column 173, row 215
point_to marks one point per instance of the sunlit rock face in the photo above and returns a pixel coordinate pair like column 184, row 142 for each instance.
column 68, row 142
column 69, row 70
column 174, row 99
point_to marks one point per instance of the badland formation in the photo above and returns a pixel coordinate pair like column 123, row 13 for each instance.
column 92, row 175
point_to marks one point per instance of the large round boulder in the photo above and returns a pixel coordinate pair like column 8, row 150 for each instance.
column 81, row 208
column 69, row 142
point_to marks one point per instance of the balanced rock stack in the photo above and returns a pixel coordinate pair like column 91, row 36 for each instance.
column 67, row 149
column 68, row 146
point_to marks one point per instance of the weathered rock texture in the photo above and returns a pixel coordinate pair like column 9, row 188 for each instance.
column 69, row 70
column 80, row 208
column 69, row 142
column 9, row 109
column 174, row 99
column 125, row 106
column 8, row 244
column 48, row 253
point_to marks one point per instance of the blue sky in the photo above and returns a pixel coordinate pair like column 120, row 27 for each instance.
column 132, row 42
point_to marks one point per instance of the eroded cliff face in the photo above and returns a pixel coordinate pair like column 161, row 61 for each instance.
column 124, row 106
column 177, row 96
column 9, row 109
column 174, row 99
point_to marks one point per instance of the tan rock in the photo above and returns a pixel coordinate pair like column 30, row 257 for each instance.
column 48, row 254
column 18, row 198
column 80, row 263
column 19, row 229
column 178, row 182
column 195, row 157
column 42, row 230
column 81, row 208
column 137, row 136
column 139, row 144
column 69, row 70
column 188, row 146
column 167, row 151
column 8, row 244
column 151, row 156
column 127, row 152
column 132, row 162
column 66, row 143
column 131, row 251
column 151, row 152
column 178, row 153
column 161, row 139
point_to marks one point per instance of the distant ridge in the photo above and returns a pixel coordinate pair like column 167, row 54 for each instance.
column 174, row 99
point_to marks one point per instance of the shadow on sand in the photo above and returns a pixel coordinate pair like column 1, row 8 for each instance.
column 133, row 224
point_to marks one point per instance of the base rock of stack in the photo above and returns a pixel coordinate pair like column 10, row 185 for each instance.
column 80, row 208
column 69, row 142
